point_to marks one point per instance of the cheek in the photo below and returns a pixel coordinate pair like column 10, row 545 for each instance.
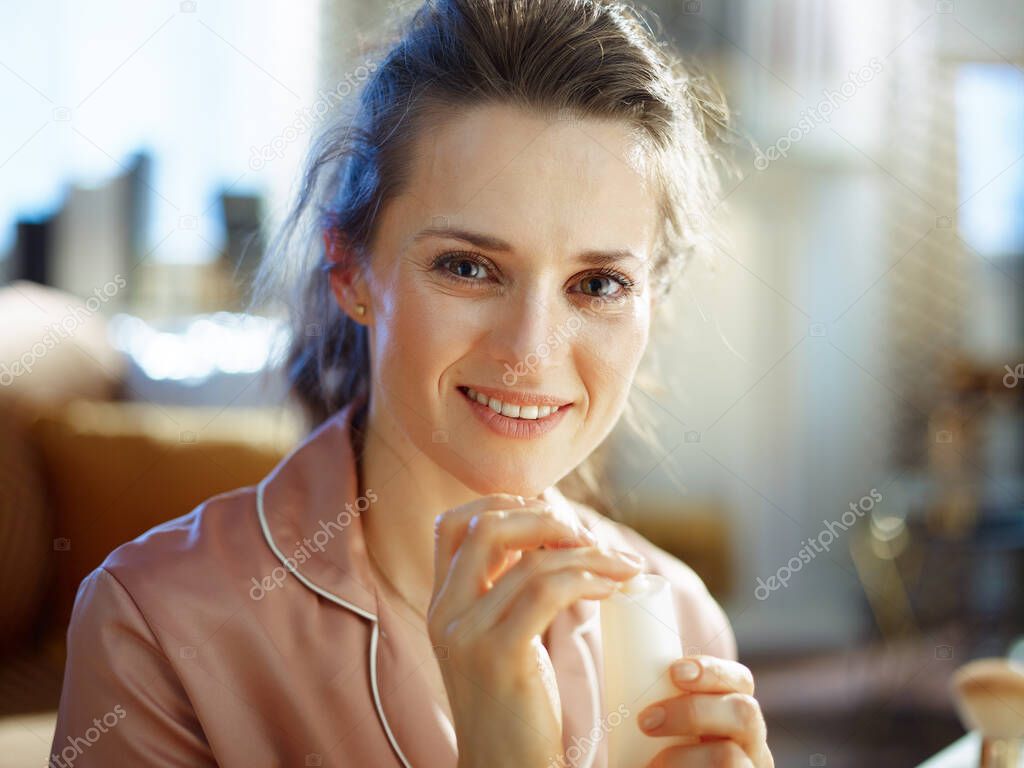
column 608, row 351
column 399, row 346
column 418, row 336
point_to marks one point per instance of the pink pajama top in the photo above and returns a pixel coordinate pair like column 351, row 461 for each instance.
column 250, row 632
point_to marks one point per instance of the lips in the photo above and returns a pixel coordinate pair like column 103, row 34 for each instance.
column 508, row 407
column 520, row 398
column 519, row 427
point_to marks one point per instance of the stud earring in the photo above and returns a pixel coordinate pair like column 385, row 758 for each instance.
column 360, row 309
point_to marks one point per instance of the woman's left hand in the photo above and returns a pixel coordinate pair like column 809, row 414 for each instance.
column 717, row 706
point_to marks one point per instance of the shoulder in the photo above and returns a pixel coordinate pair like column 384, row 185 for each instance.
column 141, row 617
column 203, row 558
column 705, row 628
column 216, row 526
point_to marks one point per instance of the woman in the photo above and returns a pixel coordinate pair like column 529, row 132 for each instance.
column 490, row 231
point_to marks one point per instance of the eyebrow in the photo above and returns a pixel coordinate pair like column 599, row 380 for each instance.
column 491, row 243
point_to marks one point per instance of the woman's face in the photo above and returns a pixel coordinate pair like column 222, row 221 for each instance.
column 479, row 278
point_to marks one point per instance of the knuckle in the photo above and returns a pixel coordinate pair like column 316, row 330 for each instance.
column 606, row 557
column 746, row 710
column 476, row 524
column 482, row 526
column 444, row 523
column 748, row 678
column 549, row 518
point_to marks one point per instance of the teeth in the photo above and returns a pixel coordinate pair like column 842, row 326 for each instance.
column 513, row 411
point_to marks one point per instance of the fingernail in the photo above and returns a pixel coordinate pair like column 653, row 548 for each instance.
column 637, row 561
column 684, row 671
column 651, row 718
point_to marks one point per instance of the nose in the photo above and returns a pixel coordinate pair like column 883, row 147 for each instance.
column 525, row 337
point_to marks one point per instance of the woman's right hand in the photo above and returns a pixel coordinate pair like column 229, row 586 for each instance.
column 503, row 569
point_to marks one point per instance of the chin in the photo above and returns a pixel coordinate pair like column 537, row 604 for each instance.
column 520, row 481
column 527, row 490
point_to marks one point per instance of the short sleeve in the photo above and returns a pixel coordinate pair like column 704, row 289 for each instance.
column 122, row 702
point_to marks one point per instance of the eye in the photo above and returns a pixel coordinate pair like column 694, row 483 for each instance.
column 471, row 268
column 625, row 285
column 464, row 262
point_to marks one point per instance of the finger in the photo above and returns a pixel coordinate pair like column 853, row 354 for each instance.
column 734, row 716
column 542, row 597
column 711, row 674
column 450, row 527
column 489, row 538
column 602, row 561
column 710, row 755
column 511, row 558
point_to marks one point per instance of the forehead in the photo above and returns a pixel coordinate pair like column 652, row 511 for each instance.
column 532, row 180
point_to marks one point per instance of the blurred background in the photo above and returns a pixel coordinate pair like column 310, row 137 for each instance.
column 841, row 421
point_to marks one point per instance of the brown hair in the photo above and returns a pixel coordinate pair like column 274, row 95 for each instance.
column 570, row 59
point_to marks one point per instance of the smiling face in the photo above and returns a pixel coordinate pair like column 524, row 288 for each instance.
column 505, row 266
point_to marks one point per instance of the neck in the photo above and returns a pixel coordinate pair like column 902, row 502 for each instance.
column 411, row 491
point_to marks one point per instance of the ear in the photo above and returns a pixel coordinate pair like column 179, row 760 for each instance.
column 344, row 276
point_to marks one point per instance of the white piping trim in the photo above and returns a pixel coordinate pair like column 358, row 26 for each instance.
column 294, row 571
column 376, row 696
column 335, row 599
